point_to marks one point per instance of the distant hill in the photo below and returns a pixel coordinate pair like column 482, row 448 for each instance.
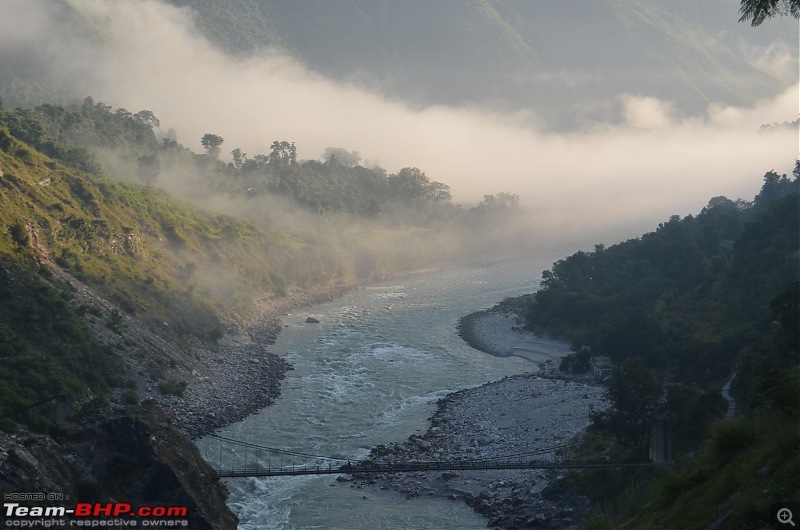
column 567, row 60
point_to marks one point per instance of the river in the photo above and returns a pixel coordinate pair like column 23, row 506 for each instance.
column 370, row 373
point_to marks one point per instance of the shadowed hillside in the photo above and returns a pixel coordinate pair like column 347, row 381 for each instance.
column 560, row 58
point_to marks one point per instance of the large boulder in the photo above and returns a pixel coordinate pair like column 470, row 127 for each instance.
column 131, row 457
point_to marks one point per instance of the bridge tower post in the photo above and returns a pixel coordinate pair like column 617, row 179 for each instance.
column 62, row 409
column 660, row 443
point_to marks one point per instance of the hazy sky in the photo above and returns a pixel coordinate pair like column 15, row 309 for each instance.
column 146, row 55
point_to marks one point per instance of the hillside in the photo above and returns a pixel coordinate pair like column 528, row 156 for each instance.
column 567, row 62
column 514, row 53
column 679, row 312
column 144, row 279
column 132, row 320
column 126, row 293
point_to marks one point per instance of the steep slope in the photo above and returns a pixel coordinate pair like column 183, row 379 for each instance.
column 569, row 62
column 702, row 301
column 107, row 285
column 126, row 293
column 125, row 457
column 559, row 58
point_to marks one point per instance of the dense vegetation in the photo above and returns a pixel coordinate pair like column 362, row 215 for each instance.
column 680, row 311
column 184, row 272
column 96, row 139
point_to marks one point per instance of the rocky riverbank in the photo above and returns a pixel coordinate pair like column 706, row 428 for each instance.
column 199, row 386
column 498, row 332
column 241, row 376
column 125, row 456
column 520, row 415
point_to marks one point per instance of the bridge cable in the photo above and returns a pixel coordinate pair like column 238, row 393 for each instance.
column 275, row 450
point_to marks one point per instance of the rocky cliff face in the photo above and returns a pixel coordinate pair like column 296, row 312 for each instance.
column 133, row 457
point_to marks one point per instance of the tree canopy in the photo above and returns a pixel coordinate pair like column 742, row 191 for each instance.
column 757, row 11
column 339, row 184
column 687, row 302
column 212, row 144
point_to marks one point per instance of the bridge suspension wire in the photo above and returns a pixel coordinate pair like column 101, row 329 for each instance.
column 500, row 458
column 252, row 465
column 527, row 453
column 308, row 455
column 275, row 450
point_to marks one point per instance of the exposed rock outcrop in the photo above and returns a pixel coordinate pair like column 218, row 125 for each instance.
column 131, row 457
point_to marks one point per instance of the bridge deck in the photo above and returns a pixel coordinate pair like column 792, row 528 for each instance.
column 407, row 467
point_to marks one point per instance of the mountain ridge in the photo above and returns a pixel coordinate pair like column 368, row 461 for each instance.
column 515, row 54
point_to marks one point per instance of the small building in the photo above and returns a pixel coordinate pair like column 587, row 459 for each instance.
column 660, row 442
column 602, row 367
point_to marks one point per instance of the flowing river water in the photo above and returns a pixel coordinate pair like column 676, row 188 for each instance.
column 370, row 373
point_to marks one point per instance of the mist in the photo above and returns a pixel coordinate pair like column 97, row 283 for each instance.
column 601, row 183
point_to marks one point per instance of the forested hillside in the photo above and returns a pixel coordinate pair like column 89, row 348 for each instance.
column 91, row 244
column 681, row 311
column 696, row 279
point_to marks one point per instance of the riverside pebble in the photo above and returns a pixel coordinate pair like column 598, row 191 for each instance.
column 518, row 415
column 241, row 376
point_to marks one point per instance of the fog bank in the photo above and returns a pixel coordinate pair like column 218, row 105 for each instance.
column 606, row 181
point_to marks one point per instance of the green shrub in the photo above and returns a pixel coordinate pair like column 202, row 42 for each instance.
column 8, row 425
column 19, row 233
column 172, row 387
column 732, row 436
column 115, row 322
column 130, row 397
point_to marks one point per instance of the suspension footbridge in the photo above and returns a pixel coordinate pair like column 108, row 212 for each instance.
column 233, row 458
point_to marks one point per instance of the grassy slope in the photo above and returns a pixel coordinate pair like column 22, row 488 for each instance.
column 746, row 466
column 183, row 272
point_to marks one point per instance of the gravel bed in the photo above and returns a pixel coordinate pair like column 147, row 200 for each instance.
column 241, row 376
column 501, row 334
column 516, row 415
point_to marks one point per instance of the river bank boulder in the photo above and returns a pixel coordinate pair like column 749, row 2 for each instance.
column 520, row 415
column 125, row 456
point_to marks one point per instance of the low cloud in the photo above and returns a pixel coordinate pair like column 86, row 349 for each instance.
column 646, row 112
column 606, row 181
column 775, row 59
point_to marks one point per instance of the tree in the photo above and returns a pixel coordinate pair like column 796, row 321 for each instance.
column 88, row 104
column 757, row 11
column 147, row 117
column 636, row 395
column 410, row 184
column 283, row 153
column 212, row 144
column 148, row 168
column 19, row 233
column 123, row 114
column 502, row 202
column 341, row 156
column 239, row 158
column 775, row 186
column 438, row 193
